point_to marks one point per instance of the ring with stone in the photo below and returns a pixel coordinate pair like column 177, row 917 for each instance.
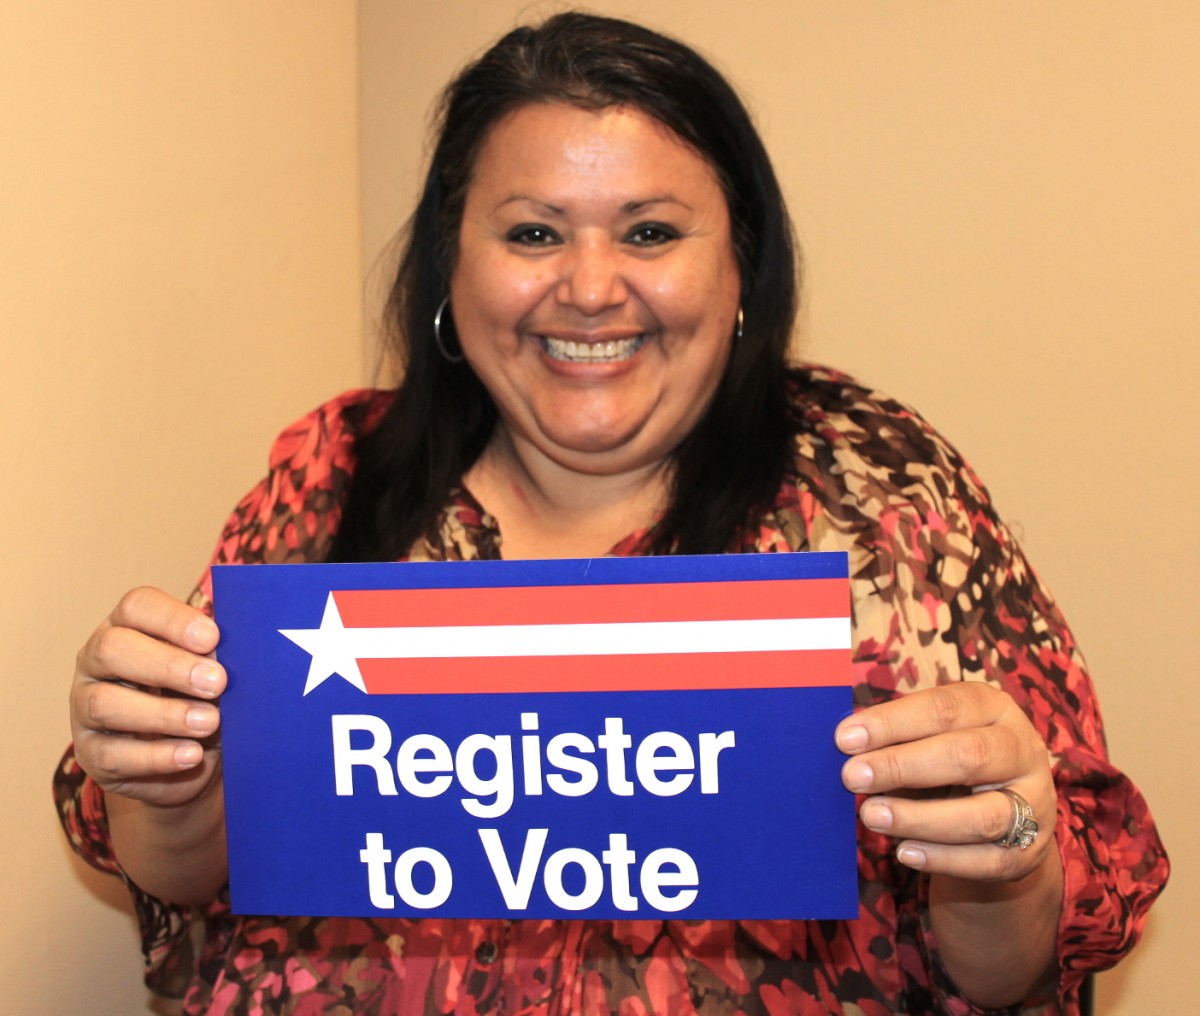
column 1023, row 830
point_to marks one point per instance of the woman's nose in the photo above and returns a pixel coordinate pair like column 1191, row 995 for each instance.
column 592, row 279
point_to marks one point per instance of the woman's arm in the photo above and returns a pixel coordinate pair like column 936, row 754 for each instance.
column 999, row 940
column 970, row 679
column 175, row 853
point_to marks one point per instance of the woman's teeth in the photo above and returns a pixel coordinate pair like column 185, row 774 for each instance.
column 592, row 352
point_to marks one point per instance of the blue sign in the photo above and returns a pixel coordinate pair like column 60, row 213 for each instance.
column 612, row 738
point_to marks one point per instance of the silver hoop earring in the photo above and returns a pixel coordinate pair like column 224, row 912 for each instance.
column 741, row 319
column 437, row 334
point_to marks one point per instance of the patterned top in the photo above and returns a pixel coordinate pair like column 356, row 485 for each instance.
column 941, row 593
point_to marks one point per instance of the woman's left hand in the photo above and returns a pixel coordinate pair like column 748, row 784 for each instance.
column 930, row 761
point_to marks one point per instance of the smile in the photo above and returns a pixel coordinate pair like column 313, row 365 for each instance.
column 592, row 352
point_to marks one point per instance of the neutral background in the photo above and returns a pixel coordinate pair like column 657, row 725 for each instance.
column 1000, row 212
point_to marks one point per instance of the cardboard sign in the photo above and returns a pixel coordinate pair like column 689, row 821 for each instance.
column 609, row 738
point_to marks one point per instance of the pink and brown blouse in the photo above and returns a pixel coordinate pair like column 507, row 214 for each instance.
column 941, row 593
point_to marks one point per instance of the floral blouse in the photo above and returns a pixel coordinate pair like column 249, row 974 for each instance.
column 941, row 593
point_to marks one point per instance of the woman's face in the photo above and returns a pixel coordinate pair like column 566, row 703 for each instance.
column 596, row 288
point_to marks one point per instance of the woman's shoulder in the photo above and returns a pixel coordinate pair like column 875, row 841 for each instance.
column 331, row 428
column 851, row 418
column 868, row 456
column 823, row 395
column 291, row 513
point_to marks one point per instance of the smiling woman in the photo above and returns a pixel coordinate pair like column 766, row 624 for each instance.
column 593, row 309
column 531, row 140
column 595, row 292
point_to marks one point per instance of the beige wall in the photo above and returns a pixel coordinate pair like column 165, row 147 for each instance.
column 1000, row 215
column 179, row 277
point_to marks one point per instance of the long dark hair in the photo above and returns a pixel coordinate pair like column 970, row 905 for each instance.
column 730, row 465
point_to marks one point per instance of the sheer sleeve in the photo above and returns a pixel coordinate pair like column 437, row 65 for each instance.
column 1010, row 631
column 942, row 593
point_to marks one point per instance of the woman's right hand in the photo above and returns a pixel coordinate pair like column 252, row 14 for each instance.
column 143, row 711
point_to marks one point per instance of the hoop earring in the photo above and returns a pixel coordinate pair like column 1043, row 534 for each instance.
column 437, row 334
column 741, row 320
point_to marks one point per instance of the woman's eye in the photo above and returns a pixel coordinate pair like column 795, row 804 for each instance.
column 532, row 236
column 652, row 234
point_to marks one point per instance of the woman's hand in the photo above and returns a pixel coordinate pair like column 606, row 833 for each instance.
column 929, row 761
column 144, row 721
column 143, row 715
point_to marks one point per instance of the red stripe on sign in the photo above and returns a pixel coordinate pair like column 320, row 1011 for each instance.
column 809, row 668
column 651, row 601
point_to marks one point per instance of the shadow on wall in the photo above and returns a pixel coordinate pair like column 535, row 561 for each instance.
column 112, row 892
column 1112, row 989
column 106, row 888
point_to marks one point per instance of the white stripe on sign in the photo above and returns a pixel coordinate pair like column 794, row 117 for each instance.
column 634, row 638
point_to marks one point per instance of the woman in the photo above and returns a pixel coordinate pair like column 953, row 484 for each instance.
column 593, row 310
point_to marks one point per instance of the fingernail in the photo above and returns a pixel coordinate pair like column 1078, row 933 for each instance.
column 851, row 738
column 913, row 857
column 857, row 776
column 205, row 677
column 201, row 631
column 877, row 816
column 188, row 755
column 202, row 720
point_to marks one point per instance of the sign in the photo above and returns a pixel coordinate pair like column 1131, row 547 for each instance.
column 607, row 738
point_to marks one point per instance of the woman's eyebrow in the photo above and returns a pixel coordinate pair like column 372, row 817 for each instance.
column 543, row 205
column 633, row 207
column 629, row 208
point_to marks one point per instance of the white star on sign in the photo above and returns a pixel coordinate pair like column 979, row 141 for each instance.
column 331, row 648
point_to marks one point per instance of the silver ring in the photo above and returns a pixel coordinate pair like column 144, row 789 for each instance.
column 1023, row 830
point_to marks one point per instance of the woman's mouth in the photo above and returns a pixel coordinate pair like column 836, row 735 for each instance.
column 612, row 351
